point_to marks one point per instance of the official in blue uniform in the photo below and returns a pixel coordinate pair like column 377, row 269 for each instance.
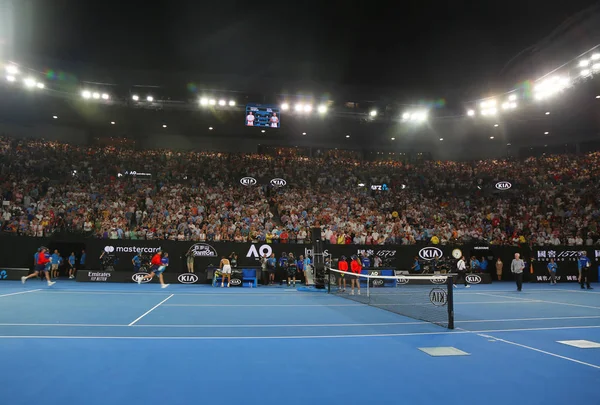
column 552, row 267
column 584, row 264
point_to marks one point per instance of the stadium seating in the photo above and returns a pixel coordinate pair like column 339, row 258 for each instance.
column 49, row 187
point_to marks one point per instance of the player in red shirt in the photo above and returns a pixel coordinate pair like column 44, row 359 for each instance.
column 42, row 264
column 342, row 266
column 355, row 268
column 158, row 266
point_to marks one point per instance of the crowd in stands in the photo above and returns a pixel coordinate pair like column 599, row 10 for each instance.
column 49, row 187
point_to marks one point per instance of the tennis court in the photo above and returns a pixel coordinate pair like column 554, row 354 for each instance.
column 82, row 343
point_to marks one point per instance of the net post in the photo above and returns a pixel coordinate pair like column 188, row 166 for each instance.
column 368, row 287
column 450, row 286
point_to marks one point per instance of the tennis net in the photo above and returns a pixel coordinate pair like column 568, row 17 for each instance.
column 426, row 298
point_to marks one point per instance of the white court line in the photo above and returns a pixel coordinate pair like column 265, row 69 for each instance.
column 151, row 309
column 540, row 351
column 266, row 305
column 317, row 325
column 20, row 292
column 460, row 332
column 283, row 292
column 543, row 301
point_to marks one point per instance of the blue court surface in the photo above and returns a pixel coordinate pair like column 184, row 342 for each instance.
column 76, row 343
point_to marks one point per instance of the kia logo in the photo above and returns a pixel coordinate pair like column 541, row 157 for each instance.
column 401, row 280
column 430, row 253
column 188, row 278
column 137, row 276
column 438, row 280
column 236, row 281
column 278, row 182
column 503, row 185
column 248, row 181
column 438, row 297
column 473, row 279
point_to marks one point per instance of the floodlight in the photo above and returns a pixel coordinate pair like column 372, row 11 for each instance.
column 10, row 78
column 12, row 70
column 405, row 116
column 596, row 66
column 203, row 101
column 584, row 63
column 546, row 133
column 212, row 101
column 96, row 96
column 512, row 97
column 585, row 72
column 55, row 117
column 149, row 99
column 285, row 106
column 441, row 139
column 470, row 113
column 513, row 105
column 105, row 96
column 303, row 133
column 307, row 108
column 263, row 131
column 210, row 128
column 393, row 139
column 231, row 103
column 40, row 85
column 112, row 123
column 164, row 125
column 135, row 97
column 493, row 111
column 373, row 113
column 496, row 125
column 506, row 105
column 491, row 137
column 483, row 104
column 86, row 94
column 347, row 136
column 322, row 109
column 298, row 107
column 596, row 56
column 222, row 102
column 30, row 82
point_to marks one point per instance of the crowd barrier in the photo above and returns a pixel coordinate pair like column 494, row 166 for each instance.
column 208, row 255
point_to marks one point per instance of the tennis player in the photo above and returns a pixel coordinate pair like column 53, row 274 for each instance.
column 250, row 119
column 342, row 266
column 355, row 268
column 159, row 263
column 552, row 271
column 225, row 267
column 42, row 265
column 274, row 120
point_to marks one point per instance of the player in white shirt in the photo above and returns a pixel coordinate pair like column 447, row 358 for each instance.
column 250, row 119
column 274, row 120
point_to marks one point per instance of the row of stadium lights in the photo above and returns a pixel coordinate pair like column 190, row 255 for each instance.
column 590, row 66
column 12, row 74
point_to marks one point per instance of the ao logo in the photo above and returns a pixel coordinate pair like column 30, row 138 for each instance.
column 473, row 279
column 137, row 276
column 188, row 278
column 248, row 181
column 3, row 275
column 503, row 185
column 278, row 182
column 236, row 281
column 438, row 280
column 430, row 253
column 438, row 297
column 109, row 249
column 378, row 282
column 401, row 280
column 264, row 250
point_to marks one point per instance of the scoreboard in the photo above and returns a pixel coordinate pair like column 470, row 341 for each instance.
column 262, row 116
